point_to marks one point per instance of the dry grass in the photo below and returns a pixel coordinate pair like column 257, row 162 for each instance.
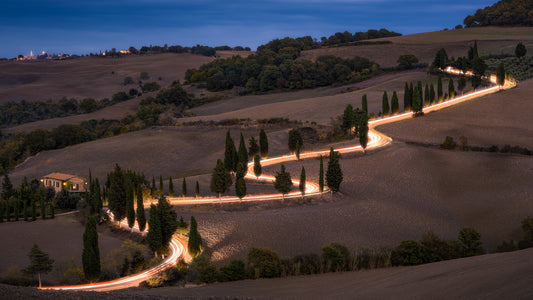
column 89, row 76
column 491, row 40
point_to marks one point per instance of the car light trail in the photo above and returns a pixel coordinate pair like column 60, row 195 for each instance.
column 376, row 139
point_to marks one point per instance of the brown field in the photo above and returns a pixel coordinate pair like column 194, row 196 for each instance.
column 61, row 237
column 491, row 40
column 89, row 76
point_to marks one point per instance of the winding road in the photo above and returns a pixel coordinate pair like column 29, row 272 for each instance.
column 376, row 139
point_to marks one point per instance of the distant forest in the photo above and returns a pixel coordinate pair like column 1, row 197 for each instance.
column 277, row 65
column 503, row 13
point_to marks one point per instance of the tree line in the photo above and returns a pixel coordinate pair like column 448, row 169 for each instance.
column 502, row 13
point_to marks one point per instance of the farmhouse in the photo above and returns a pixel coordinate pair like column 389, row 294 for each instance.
column 58, row 181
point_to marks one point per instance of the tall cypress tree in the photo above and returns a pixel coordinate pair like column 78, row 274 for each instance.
column 152, row 188
column 385, row 104
column 347, row 119
column 334, row 173
column 91, row 253
column 229, row 153
column 395, row 106
column 406, row 100
column 197, row 189
column 243, row 152
column 363, row 132
column 241, row 171
column 195, row 240
column 439, row 89
column 7, row 188
column 220, row 179
column 33, row 209
column 184, row 188
column 169, row 223
column 257, row 166
column 253, row 149
column 321, row 175
column 263, row 144
column 283, row 182
column 451, row 88
column 302, row 182
column 417, row 100
column 117, row 193
column 141, row 217
column 24, row 207
column 155, row 240
column 426, row 96
column 161, row 187
column 364, row 104
column 297, row 152
column 240, row 187
column 130, row 211
column 431, row 94
column 411, row 93
column 170, row 187
column 500, row 74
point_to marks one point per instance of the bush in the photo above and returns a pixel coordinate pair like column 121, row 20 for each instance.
column 527, row 227
column 65, row 200
column 128, row 80
column 471, row 244
column 233, row 271
column 449, row 143
column 264, row 263
column 306, row 264
column 203, row 270
column 506, row 247
column 144, row 75
column 410, row 253
column 336, row 257
column 150, row 87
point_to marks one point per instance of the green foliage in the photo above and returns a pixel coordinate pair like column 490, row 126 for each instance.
column 220, row 179
column 470, row 242
column 395, row 106
column 302, row 182
column 263, row 263
column 230, row 154
column 295, row 137
column 204, row 269
column 141, row 217
column 184, row 188
column 439, row 89
column 233, row 271
column 520, row 50
column 411, row 253
column 195, row 240
column 197, row 189
column 253, row 147
column 321, row 175
column 91, row 252
column 385, row 105
column 448, row 144
column 257, row 166
column 263, row 144
column 527, row 227
column 243, row 152
column 334, row 175
column 364, row 104
column 500, row 74
column 240, row 187
column 171, row 187
column 169, row 224
column 117, row 193
column 502, row 13
column 283, row 182
column 441, row 59
column 40, row 262
column 154, row 236
column 336, row 257
column 407, row 61
column 407, row 98
column 506, row 247
column 347, row 119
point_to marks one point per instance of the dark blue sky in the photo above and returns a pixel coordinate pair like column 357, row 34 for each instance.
column 83, row 26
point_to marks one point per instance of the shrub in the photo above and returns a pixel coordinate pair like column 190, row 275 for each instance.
column 449, row 143
column 144, row 75
column 264, row 263
column 203, row 270
column 506, row 247
column 150, row 87
column 128, row 80
column 306, row 264
column 336, row 257
column 410, row 253
column 233, row 271
column 527, row 226
column 471, row 244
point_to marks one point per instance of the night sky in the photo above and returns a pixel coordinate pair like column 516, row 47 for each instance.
column 84, row 26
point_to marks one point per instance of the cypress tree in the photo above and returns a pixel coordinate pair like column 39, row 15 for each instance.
column 152, row 188
column 8, row 210
column 161, row 188
column 258, row 170
column 294, row 138
column 195, row 240
column 321, row 175
column 2, row 210
column 184, row 188
column 500, row 74
column 364, row 104
column 52, row 210
column 7, row 188
column 24, row 208
column 283, row 182
column 297, row 153
column 220, row 179
column 130, row 211
column 406, row 100
column 141, row 217
column 426, row 96
column 263, row 144
column 98, row 196
column 170, row 187
column 431, row 94
column 334, row 173
column 33, row 209
column 155, row 240
column 253, row 149
column 117, row 193
column 302, row 182
column 168, row 221
column 417, row 100
column 451, row 88
column 229, row 153
column 91, row 253
column 347, row 119
column 363, row 132
column 385, row 104
column 41, row 204
column 240, row 187
column 439, row 89
column 243, row 152
column 395, row 106
column 411, row 93
column 197, row 189
column 16, row 207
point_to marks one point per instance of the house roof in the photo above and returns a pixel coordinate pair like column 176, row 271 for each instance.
column 61, row 176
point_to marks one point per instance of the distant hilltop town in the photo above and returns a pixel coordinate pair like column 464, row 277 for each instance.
column 44, row 56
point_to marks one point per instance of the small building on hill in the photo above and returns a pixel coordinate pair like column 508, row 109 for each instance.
column 58, row 181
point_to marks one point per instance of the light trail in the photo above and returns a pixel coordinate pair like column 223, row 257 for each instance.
column 376, row 139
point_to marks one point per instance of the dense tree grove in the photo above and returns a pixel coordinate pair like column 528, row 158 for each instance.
column 161, row 226
column 277, row 65
column 503, row 13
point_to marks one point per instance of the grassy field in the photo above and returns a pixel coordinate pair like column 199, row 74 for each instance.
column 491, row 40
column 94, row 77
